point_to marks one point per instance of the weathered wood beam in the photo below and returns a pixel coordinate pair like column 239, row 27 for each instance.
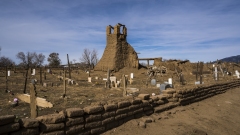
column 42, row 102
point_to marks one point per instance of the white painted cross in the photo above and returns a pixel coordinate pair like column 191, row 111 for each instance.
column 131, row 75
column 33, row 72
column 216, row 73
column 237, row 74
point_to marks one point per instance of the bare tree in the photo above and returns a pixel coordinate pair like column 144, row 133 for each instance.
column 74, row 60
column 39, row 59
column 26, row 59
column 94, row 58
column 5, row 61
column 30, row 58
column 89, row 57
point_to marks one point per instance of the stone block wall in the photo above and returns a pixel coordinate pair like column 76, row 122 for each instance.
column 98, row 119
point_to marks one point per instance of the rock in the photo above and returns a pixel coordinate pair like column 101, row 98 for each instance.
column 142, row 124
column 147, row 120
column 156, row 117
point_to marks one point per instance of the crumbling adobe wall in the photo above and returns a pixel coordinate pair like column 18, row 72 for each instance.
column 118, row 52
column 100, row 118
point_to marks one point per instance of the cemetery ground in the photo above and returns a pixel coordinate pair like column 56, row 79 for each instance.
column 83, row 93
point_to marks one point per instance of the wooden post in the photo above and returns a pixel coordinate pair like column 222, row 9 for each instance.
column 201, row 70
column 124, row 85
column 108, row 79
column 181, row 78
column 40, row 75
column 26, row 76
column 197, row 72
column 147, row 63
column 45, row 77
column 6, row 80
column 69, row 69
column 33, row 102
column 64, row 83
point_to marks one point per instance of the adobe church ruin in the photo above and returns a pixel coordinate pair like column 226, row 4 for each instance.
column 118, row 52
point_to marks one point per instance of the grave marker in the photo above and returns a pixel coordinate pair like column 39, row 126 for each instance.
column 200, row 72
column 64, row 83
column 6, row 80
column 45, row 77
column 33, row 71
column 237, row 74
column 216, row 74
column 108, row 82
column 25, row 85
column 131, row 75
column 33, row 103
column 44, row 84
column 69, row 69
column 113, row 79
column 40, row 75
column 181, row 78
column 153, row 82
column 89, row 79
column 9, row 72
column 124, row 85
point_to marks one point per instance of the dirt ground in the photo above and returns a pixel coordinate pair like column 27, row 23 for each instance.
column 218, row 115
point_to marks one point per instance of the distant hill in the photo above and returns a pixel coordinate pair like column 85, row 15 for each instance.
column 235, row 59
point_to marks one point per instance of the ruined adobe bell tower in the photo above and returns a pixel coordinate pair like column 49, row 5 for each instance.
column 118, row 53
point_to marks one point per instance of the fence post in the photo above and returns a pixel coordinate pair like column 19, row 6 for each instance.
column 33, row 102
column 26, row 76
column 6, row 80
column 64, row 83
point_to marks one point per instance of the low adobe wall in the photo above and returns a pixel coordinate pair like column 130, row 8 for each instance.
column 98, row 119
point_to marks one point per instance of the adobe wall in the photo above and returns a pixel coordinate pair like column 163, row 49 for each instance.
column 118, row 52
column 98, row 119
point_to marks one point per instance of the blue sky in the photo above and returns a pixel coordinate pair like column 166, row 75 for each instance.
column 198, row 30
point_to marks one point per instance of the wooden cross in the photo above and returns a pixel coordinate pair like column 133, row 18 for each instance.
column 40, row 75
column 6, row 79
column 33, row 102
column 64, row 83
column 26, row 75
column 181, row 78
column 200, row 72
column 69, row 68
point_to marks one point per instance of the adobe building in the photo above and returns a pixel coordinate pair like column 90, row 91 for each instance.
column 118, row 52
